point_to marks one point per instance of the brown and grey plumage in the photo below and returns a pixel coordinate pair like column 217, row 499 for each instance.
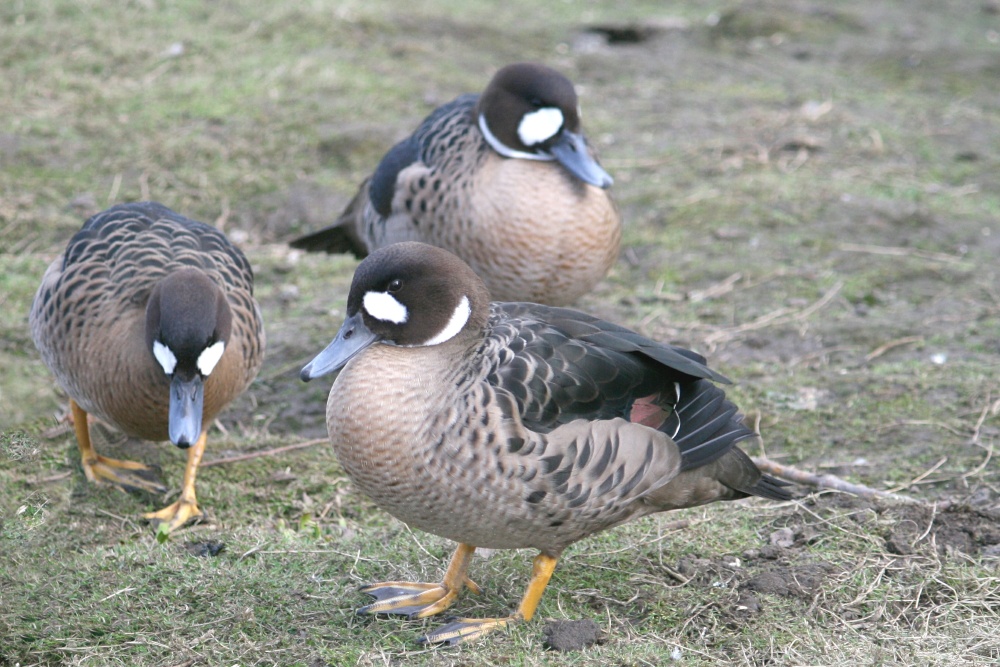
column 515, row 425
column 148, row 321
column 505, row 180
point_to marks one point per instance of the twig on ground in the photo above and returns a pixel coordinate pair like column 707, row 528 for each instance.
column 222, row 429
column 979, row 468
column 124, row 520
column 779, row 316
column 920, row 422
column 666, row 531
column 127, row 589
column 718, row 289
column 882, row 349
column 756, row 429
column 53, row 478
column 896, row 251
column 827, row 482
column 919, row 478
column 54, row 432
column 264, row 452
column 988, row 409
column 824, row 352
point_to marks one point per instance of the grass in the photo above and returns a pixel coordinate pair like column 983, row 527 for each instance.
column 809, row 199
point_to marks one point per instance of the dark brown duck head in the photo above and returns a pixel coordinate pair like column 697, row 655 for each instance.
column 531, row 112
column 407, row 294
column 188, row 322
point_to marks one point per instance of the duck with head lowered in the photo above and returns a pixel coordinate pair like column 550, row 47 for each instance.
column 505, row 180
column 148, row 321
column 514, row 425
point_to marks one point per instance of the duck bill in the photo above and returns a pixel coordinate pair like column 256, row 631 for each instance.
column 187, row 398
column 570, row 149
column 351, row 340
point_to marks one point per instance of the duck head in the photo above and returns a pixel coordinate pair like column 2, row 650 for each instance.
column 409, row 295
column 531, row 112
column 188, row 322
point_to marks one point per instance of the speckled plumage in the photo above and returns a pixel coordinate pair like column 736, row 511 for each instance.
column 89, row 318
column 523, row 440
column 534, row 426
column 531, row 229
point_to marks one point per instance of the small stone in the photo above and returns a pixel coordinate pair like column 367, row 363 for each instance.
column 992, row 551
column 771, row 552
column 748, row 604
column 205, row 549
column 783, row 537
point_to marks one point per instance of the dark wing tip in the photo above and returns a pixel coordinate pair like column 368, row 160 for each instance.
column 771, row 488
column 330, row 239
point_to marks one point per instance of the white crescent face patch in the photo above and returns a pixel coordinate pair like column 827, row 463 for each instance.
column 165, row 356
column 507, row 151
column 384, row 306
column 458, row 319
column 539, row 126
column 210, row 356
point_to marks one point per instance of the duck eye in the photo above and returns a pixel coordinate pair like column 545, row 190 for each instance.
column 395, row 285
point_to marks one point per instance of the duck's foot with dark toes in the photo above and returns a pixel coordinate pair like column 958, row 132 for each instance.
column 459, row 630
column 419, row 600
column 175, row 514
column 413, row 600
column 126, row 475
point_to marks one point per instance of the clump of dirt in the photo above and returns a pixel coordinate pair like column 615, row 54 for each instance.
column 747, row 605
column 781, row 577
column 722, row 572
column 571, row 635
column 796, row 581
column 205, row 549
column 971, row 527
column 771, row 570
column 963, row 529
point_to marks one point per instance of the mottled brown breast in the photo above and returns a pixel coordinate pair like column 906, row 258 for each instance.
column 88, row 316
column 438, row 447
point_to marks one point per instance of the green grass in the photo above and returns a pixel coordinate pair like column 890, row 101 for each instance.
column 879, row 368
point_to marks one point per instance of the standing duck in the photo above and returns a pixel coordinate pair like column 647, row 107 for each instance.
column 148, row 321
column 514, row 425
column 505, row 180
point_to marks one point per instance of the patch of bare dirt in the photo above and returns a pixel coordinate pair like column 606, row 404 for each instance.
column 964, row 530
column 571, row 635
